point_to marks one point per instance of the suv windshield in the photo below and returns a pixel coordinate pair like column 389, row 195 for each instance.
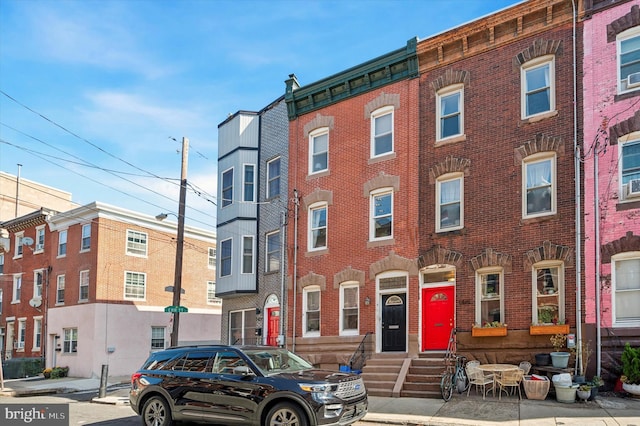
column 276, row 360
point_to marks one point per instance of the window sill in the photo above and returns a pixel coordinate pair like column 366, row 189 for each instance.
column 538, row 117
column 318, row 174
column 313, row 253
column 383, row 157
column 628, row 204
column 626, row 95
column 450, row 140
column 538, row 219
column 381, row 243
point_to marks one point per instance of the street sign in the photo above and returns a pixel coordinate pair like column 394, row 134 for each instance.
column 175, row 309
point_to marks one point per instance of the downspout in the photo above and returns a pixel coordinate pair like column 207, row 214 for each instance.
column 283, row 273
column 295, row 267
column 596, row 207
column 576, row 162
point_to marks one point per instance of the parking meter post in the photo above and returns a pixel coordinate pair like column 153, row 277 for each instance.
column 103, row 381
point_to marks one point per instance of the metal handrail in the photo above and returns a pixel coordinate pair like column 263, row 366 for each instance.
column 360, row 355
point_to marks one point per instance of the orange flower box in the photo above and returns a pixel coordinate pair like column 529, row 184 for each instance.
column 488, row 331
column 537, row 330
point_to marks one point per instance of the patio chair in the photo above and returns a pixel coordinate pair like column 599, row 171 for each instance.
column 471, row 364
column 510, row 379
column 525, row 366
column 478, row 379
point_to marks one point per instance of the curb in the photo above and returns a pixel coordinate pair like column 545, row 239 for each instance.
column 111, row 400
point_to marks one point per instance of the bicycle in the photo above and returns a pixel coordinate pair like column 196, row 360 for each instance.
column 453, row 377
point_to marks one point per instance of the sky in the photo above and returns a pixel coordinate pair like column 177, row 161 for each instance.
column 96, row 95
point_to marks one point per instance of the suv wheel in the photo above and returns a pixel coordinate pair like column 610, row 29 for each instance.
column 286, row 414
column 156, row 412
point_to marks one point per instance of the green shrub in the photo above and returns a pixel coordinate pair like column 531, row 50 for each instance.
column 631, row 365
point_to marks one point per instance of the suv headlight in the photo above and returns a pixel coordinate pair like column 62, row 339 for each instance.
column 319, row 391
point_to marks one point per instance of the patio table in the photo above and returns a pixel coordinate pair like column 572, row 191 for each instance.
column 496, row 369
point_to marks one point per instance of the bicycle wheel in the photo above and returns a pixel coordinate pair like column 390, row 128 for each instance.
column 446, row 386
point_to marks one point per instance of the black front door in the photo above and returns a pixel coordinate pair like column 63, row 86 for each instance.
column 394, row 322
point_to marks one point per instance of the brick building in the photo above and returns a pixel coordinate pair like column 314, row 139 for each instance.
column 611, row 99
column 75, row 284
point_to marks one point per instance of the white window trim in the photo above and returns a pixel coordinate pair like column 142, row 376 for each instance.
column 35, row 333
column 22, row 337
column 19, row 246
column 164, row 338
column 59, row 278
column 227, row 202
column 536, row 63
column 66, row 242
column 230, row 240
column 314, row 134
column 479, row 273
column 372, row 217
column 536, row 158
column 448, row 178
column 562, row 315
column 448, row 91
column 124, row 286
column 16, row 278
column 216, row 301
column 376, row 114
column 310, row 229
column 343, row 287
column 88, row 284
column 271, row 178
column 630, row 138
column 35, row 275
column 253, row 183
column 267, row 252
column 623, row 36
column 146, row 243
column 253, row 255
column 616, row 258
column 211, row 257
column 40, row 230
column 82, row 228
column 305, row 292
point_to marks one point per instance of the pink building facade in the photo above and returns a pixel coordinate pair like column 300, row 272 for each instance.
column 611, row 154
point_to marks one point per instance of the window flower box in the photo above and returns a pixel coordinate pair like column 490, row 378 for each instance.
column 489, row 331
column 536, row 330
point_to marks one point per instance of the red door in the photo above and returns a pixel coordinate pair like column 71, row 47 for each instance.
column 438, row 307
column 273, row 324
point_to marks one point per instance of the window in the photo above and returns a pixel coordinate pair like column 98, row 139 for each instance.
column 538, row 86
column 134, row 285
column 38, row 278
column 626, row 288
column 17, row 288
column 273, row 252
column 349, row 308
column 211, row 294
column 381, row 215
column 630, row 169
column 629, row 59
column 70, row 342
column 449, row 110
column 1, row 299
column 1, row 263
column 60, row 289
column 19, row 247
column 319, row 151
column 40, row 238
column 538, row 195
column 157, row 338
column 225, row 260
column 37, row 333
column 248, row 186
column 273, row 178
column 311, row 314
column 317, row 227
column 242, row 327
column 212, row 258
column 449, row 209
column 86, row 237
column 84, row 285
column 548, row 293
column 489, row 296
column 247, row 254
column 227, row 187
column 382, row 131
column 136, row 243
column 62, row 243
column 22, row 333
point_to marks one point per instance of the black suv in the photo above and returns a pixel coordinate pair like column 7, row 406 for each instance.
column 248, row 385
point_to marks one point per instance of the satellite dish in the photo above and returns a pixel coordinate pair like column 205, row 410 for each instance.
column 27, row 241
column 35, row 302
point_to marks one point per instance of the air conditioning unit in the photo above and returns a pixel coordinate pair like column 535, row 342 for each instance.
column 633, row 188
column 633, row 80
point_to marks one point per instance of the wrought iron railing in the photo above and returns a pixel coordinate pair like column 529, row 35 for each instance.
column 361, row 354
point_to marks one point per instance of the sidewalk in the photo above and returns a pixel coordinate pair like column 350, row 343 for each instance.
column 461, row 410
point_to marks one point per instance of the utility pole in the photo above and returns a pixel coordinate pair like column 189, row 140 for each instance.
column 177, row 281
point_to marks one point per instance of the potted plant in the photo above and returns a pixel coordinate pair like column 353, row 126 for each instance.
column 494, row 328
column 585, row 352
column 47, row 372
column 584, row 391
column 559, row 359
column 596, row 382
column 631, row 369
